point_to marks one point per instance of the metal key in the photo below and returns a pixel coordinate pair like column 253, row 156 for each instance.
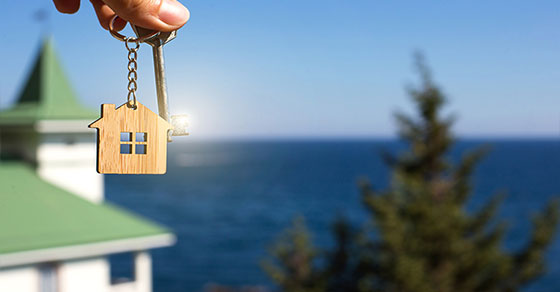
column 179, row 121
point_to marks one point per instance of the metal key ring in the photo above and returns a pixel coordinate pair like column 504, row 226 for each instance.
column 123, row 38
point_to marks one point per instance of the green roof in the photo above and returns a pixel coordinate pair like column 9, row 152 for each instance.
column 47, row 94
column 37, row 215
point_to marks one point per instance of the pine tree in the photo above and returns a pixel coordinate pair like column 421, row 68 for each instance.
column 419, row 237
column 294, row 268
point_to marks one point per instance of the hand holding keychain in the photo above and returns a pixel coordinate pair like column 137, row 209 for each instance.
column 160, row 15
column 131, row 138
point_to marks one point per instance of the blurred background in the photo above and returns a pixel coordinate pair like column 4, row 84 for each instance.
column 290, row 103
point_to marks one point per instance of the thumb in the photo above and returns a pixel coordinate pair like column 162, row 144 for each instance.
column 162, row 15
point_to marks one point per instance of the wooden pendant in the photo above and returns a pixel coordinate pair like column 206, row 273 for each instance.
column 131, row 140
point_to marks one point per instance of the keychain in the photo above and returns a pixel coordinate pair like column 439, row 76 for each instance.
column 131, row 139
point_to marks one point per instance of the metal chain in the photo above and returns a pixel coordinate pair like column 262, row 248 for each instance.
column 132, row 75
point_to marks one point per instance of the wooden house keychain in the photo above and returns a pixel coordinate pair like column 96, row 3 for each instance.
column 131, row 139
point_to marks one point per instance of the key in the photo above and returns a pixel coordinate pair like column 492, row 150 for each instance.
column 157, row 43
column 179, row 121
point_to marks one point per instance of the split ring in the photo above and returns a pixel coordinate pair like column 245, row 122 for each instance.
column 123, row 38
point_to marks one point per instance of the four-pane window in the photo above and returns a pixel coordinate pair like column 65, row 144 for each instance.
column 134, row 143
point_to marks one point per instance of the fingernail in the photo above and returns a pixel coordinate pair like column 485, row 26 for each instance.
column 173, row 13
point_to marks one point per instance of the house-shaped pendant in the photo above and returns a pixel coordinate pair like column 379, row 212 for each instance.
column 131, row 140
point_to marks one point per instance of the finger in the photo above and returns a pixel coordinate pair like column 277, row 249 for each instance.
column 162, row 15
column 67, row 6
column 105, row 14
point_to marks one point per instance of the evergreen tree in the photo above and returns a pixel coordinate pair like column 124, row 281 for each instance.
column 294, row 268
column 419, row 236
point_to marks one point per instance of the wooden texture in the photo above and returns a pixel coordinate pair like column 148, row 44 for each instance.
column 125, row 119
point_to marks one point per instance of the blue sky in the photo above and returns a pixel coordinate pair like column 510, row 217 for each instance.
column 316, row 68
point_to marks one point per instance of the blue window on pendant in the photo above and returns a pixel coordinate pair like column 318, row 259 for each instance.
column 140, row 149
column 134, row 143
column 126, row 148
column 126, row 137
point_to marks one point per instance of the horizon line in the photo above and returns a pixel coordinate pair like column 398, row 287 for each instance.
column 358, row 138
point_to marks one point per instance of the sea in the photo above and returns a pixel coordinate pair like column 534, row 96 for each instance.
column 228, row 201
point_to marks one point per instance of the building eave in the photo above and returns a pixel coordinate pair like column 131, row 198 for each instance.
column 63, row 126
column 86, row 250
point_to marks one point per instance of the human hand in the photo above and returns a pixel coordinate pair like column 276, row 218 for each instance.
column 161, row 15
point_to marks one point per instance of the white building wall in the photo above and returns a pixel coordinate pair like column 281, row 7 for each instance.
column 87, row 275
column 68, row 160
column 81, row 275
column 20, row 279
column 143, row 271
